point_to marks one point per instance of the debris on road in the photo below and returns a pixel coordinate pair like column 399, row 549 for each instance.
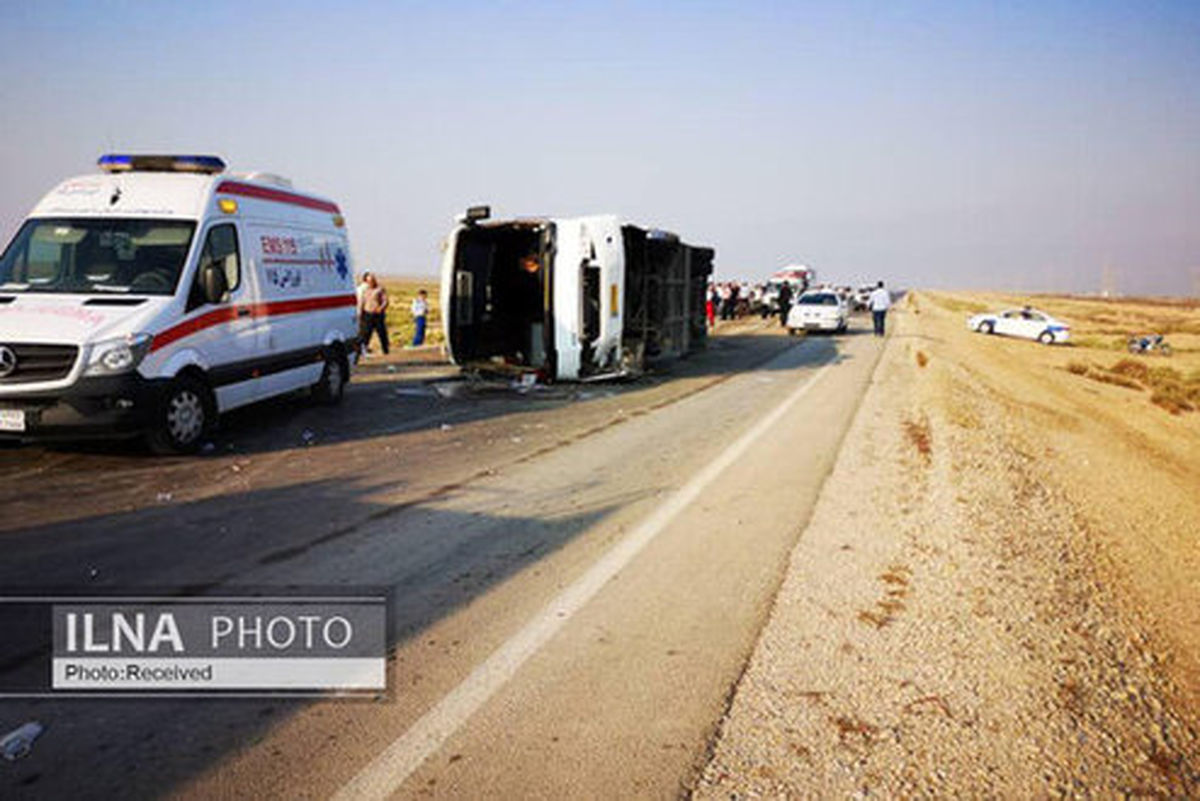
column 449, row 389
column 19, row 742
column 416, row 392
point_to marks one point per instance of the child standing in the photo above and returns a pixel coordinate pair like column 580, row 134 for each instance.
column 420, row 310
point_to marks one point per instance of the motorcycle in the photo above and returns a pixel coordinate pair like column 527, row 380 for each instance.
column 1149, row 343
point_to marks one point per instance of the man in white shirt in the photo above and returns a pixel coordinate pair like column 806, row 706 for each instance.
column 879, row 303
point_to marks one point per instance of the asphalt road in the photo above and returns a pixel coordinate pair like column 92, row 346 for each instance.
column 578, row 575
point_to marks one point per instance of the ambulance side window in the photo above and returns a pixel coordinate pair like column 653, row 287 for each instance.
column 220, row 248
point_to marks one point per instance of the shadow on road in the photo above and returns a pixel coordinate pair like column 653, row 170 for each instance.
column 435, row 560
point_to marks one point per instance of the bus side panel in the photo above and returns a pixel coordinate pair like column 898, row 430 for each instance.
column 606, row 254
column 566, row 279
column 449, row 297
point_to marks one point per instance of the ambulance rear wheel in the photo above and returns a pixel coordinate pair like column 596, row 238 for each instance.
column 329, row 390
column 184, row 417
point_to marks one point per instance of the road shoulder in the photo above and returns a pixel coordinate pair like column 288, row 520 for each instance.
column 943, row 628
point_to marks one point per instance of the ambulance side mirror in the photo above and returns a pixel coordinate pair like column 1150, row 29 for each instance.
column 213, row 282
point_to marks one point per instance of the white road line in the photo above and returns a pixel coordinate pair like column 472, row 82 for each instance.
column 384, row 775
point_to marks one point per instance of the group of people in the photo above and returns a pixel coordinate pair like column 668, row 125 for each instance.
column 728, row 300
column 372, row 314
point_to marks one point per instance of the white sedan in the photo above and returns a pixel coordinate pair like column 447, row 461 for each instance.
column 818, row 311
column 1025, row 323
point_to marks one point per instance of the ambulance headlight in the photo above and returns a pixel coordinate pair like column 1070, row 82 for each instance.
column 114, row 356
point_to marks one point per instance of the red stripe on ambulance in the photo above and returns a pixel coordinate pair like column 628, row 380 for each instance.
column 230, row 313
column 277, row 195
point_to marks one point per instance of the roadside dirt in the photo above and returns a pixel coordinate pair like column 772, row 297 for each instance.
column 998, row 593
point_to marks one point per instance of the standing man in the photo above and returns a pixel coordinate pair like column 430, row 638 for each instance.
column 360, row 292
column 743, row 299
column 374, row 306
column 880, row 302
column 420, row 309
column 785, row 302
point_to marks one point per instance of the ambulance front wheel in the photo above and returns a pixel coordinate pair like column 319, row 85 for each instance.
column 329, row 390
column 184, row 417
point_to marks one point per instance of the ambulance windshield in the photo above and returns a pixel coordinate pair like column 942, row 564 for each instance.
column 94, row 256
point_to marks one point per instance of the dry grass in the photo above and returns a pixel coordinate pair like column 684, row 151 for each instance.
column 1174, row 399
column 1170, row 389
column 1131, row 368
column 953, row 304
column 1099, row 343
column 1116, row 379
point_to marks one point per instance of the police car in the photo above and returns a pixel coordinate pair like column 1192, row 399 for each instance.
column 1025, row 323
column 160, row 292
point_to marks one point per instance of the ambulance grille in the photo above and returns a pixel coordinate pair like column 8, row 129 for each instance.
column 36, row 363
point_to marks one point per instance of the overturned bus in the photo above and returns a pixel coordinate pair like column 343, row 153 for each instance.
column 575, row 298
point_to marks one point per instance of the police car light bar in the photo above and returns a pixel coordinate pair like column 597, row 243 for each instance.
column 123, row 162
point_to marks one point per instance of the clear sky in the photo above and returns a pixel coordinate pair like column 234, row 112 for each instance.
column 1015, row 145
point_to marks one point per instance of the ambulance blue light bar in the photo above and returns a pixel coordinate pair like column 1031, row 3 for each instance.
column 125, row 162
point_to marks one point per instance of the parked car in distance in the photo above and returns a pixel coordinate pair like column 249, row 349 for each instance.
column 1026, row 323
column 862, row 297
column 818, row 311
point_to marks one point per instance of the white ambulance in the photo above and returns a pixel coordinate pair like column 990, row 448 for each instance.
column 161, row 292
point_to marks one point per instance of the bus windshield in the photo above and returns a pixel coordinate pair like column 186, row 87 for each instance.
column 96, row 256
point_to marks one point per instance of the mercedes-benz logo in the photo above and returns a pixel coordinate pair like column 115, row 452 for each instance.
column 8, row 361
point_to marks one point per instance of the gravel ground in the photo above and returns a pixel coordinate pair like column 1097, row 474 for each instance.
column 952, row 622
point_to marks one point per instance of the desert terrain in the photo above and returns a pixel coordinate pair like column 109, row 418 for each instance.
column 999, row 590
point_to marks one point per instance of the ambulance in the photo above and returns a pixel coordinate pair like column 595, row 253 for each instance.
column 161, row 292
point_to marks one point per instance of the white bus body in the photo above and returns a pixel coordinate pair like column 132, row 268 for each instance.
column 572, row 298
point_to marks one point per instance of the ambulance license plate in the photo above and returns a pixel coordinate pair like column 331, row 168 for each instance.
column 12, row 419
